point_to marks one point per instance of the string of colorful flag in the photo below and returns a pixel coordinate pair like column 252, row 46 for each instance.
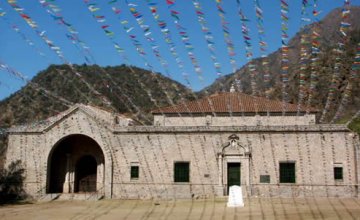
column 304, row 55
column 30, row 43
column 208, row 36
column 284, row 52
column 54, row 11
column 94, row 9
column 263, row 49
column 348, row 92
column 168, row 39
column 245, row 30
column 53, row 47
column 73, row 35
column 226, row 32
column 140, row 20
column 33, row 85
column 315, row 51
column 16, row 28
column 141, row 52
column 185, row 38
column 340, row 51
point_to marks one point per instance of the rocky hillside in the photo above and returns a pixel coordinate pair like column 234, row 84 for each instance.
column 122, row 89
column 330, row 35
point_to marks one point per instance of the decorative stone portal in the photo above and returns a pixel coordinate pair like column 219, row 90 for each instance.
column 234, row 165
column 76, row 164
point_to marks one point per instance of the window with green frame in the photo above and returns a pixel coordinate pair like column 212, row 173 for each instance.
column 134, row 172
column 287, row 172
column 338, row 173
column 181, row 172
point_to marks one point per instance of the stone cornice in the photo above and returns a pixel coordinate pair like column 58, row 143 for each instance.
column 210, row 129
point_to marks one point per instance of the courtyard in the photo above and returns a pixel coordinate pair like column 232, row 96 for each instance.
column 255, row 208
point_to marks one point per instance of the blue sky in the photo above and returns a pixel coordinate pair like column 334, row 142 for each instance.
column 15, row 52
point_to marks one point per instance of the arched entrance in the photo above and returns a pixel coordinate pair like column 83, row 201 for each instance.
column 75, row 164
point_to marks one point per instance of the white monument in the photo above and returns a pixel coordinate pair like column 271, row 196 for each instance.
column 235, row 197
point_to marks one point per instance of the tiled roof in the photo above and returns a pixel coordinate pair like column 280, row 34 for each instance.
column 230, row 102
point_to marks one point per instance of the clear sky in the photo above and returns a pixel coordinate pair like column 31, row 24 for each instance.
column 16, row 52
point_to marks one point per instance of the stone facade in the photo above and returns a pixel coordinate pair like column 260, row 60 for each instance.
column 116, row 145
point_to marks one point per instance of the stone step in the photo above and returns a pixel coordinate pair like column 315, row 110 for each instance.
column 80, row 196
column 49, row 197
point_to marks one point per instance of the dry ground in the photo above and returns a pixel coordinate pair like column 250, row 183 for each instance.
column 255, row 208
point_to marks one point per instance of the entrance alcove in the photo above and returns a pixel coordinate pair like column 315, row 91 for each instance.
column 76, row 164
column 234, row 165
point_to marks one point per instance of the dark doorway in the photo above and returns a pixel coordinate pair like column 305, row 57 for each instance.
column 78, row 154
column 85, row 174
column 233, row 175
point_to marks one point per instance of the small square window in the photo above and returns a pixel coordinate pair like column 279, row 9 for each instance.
column 264, row 178
column 338, row 173
column 134, row 172
column 181, row 172
column 287, row 172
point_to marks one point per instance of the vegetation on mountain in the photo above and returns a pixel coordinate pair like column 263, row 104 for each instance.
column 330, row 37
column 134, row 91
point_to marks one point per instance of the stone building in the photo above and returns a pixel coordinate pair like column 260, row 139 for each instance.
column 194, row 150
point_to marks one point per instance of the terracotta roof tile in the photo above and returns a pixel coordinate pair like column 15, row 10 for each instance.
column 230, row 102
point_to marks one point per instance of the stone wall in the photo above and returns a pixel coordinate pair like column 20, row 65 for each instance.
column 315, row 149
column 257, row 120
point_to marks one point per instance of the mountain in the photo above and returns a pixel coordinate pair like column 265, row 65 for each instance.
column 134, row 91
column 328, row 28
column 123, row 89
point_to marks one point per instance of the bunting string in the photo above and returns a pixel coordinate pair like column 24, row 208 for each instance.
column 185, row 39
column 226, row 33
column 58, row 51
column 149, row 38
column 314, row 61
column 73, row 35
column 141, row 52
column 263, row 49
column 304, row 55
column 284, row 52
column 101, row 19
column 168, row 39
column 209, row 38
column 245, row 30
column 340, row 51
column 348, row 92
column 147, row 33
column 52, row 46
column 33, row 85
column 16, row 28
column 32, row 44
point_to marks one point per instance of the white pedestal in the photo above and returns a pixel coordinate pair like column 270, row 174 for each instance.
column 235, row 197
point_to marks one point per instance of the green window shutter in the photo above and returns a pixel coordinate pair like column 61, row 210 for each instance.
column 287, row 172
column 134, row 172
column 181, row 172
column 338, row 173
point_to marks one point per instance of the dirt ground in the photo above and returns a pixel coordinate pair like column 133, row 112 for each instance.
column 255, row 208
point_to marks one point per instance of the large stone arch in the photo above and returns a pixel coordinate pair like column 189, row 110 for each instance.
column 65, row 175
